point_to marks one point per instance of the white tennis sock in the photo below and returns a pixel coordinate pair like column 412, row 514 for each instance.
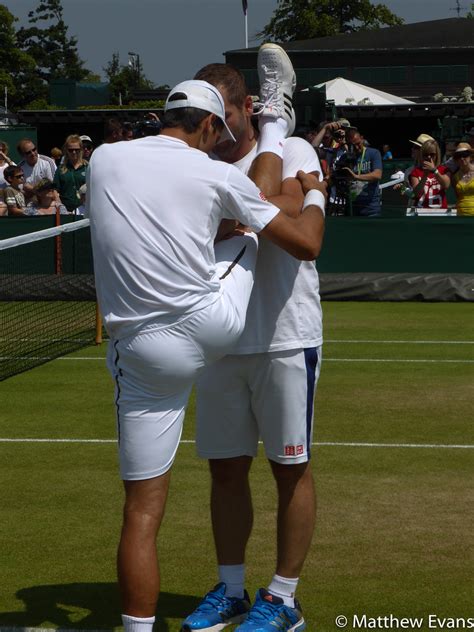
column 272, row 135
column 233, row 575
column 285, row 588
column 137, row 624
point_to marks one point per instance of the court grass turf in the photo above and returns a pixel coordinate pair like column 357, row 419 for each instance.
column 394, row 533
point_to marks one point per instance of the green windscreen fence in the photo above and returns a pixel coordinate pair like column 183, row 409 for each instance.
column 47, row 296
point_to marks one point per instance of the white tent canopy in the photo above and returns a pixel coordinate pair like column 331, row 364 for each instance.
column 345, row 92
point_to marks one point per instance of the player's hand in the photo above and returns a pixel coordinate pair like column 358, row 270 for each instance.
column 311, row 181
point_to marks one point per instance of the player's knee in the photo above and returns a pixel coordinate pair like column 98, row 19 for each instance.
column 230, row 472
column 290, row 474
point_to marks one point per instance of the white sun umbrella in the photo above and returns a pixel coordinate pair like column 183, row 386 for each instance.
column 345, row 92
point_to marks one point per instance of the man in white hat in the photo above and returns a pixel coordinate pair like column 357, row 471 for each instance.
column 171, row 303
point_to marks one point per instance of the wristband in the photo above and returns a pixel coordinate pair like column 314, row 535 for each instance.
column 316, row 198
column 436, row 172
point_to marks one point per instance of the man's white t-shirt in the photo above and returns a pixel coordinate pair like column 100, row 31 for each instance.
column 41, row 169
column 155, row 205
column 285, row 309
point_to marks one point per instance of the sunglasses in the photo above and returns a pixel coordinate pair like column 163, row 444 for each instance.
column 73, row 149
column 31, row 151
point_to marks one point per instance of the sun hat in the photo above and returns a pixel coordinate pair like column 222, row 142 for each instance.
column 422, row 138
column 343, row 122
column 202, row 95
column 463, row 148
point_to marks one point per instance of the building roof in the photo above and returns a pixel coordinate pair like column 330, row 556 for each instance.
column 451, row 33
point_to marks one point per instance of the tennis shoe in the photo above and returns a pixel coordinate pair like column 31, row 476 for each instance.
column 277, row 84
column 216, row 611
column 269, row 614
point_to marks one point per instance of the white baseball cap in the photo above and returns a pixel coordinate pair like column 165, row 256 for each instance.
column 202, row 95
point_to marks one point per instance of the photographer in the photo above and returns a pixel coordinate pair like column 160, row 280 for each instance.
column 365, row 176
column 331, row 139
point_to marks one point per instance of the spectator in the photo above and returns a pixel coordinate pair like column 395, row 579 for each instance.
column 56, row 155
column 44, row 200
column 430, row 180
column 127, row 131
column 13, row 194
column 331, row 140
column 5, row 161
column 34, row 166
column 463, row 180
column 366, row 174
column 71, row 174
column 112, row 130
column 470, row 136
column 87, row 147
column 3, row 206
column 386, row 153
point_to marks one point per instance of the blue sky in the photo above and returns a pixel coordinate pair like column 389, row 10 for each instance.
column 174, row 38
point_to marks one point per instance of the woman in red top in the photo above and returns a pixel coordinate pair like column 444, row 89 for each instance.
column 430, row 180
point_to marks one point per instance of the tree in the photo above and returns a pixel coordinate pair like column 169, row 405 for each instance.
column 307, row 19
column 125, row 79
column 16, row 67
column 53, row 50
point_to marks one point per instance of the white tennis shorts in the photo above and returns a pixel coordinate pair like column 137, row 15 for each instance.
column 154, row 370
column 242, row 398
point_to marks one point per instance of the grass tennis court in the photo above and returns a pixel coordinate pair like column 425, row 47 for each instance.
column 395, row 532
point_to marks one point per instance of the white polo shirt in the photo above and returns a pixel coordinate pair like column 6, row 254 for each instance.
column 285, row 309
column 155, row 205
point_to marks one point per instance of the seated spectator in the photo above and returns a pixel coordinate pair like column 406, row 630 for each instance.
column 71, row 174
column 34, row 166
column 430, row 180
column 87, row 147
column 365, row 175
column 386, row 153
column 112, row 131
column 463, row 179
column 5, row 161
column 56, row 155
column 13, row 194
column 44, row 200
column 3, row 206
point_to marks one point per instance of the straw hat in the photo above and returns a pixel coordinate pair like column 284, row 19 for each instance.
column 462, row 149
column 422, row 138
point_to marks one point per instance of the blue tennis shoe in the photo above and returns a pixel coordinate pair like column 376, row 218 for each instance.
column 269, row 614
column 216, row 611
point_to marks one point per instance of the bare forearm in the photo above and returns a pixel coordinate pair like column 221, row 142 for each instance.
column 15, row 211
column 301, row 237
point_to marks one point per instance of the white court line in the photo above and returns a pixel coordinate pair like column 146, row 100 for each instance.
column 395, row 360
column 343, row 444
column 391, row 360
column 405, row 342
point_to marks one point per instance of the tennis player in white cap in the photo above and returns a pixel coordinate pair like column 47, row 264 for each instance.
column 171, row 302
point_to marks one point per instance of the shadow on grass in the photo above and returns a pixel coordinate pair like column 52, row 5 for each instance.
column 86, row 607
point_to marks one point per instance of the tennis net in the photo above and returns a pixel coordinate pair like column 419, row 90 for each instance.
column 47, row 296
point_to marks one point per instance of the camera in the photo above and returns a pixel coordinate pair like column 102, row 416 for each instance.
column 340, row 183
column 146, row 127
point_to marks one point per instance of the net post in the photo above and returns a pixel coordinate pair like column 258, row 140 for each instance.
column 98, row 325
